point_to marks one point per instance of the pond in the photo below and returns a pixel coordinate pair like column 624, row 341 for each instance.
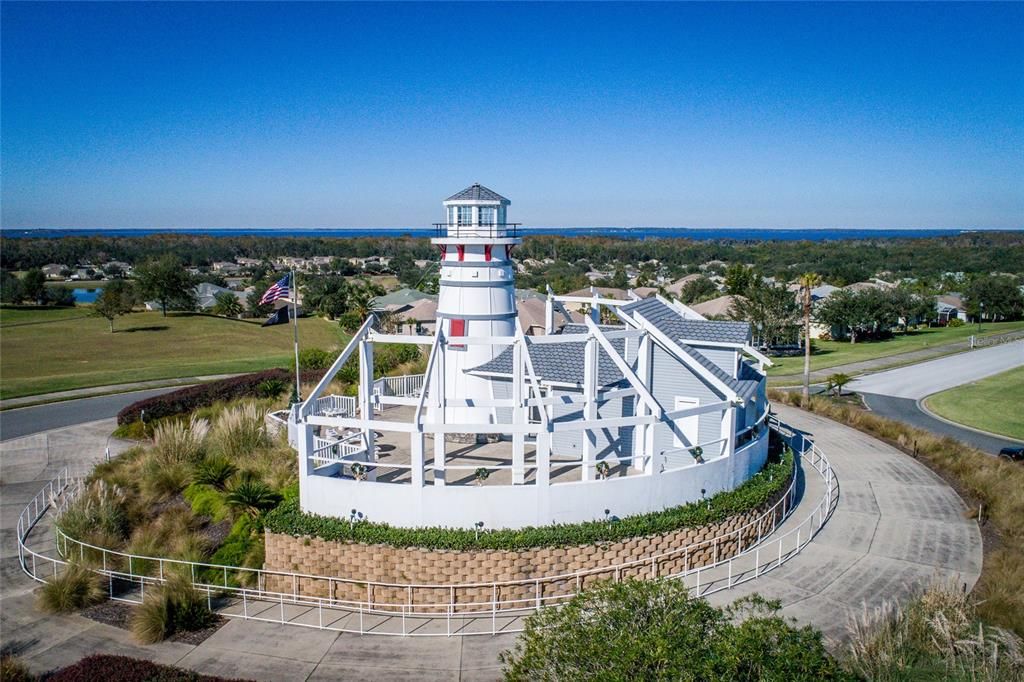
column 86, row 295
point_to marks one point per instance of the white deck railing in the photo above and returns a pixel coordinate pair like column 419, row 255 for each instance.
column 750, row 560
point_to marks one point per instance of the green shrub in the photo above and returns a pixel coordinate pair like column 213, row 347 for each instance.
column 206, row 501
column 161, row 480
column 654, row 630
column 271, row 388
column 74, row 588
column 240, row 431
column 955, row 322
column 766, row 485
column 175, row 606
column 315, row 358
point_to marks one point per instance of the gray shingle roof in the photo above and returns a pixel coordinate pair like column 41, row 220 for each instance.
column 476, row 192
column 561, row 362
column 672, row 324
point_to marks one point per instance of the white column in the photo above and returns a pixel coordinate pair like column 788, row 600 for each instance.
column 416, row 458
column 305, row 448
column 518, row 415
column 589, row 409
column 549, row 315
column 437, row 390
column 729, row 433
column 366, row 402
column 641, row 453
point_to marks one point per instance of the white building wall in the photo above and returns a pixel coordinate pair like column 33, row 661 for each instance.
column 519, row 506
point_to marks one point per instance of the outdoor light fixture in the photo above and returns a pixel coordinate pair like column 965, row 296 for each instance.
column 476, row 528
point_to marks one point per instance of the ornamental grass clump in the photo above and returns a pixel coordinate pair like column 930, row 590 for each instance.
column 175, row 606
column 100, row 510
column 76, row 587
column 240, row 431
column 937, row 635
column 180, row 441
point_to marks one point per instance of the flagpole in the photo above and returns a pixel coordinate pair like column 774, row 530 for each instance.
column 295, row 328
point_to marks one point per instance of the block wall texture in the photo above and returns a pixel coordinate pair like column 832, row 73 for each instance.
column 516, row 577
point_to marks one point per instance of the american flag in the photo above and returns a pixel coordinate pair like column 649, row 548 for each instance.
column 279, row 290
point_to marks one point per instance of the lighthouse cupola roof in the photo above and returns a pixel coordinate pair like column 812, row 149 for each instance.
column 477, row 194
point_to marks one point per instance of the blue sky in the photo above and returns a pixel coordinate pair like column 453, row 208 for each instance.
column 289, row 115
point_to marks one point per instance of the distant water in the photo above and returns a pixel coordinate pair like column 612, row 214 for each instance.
column 86, row 295
column 742, row 234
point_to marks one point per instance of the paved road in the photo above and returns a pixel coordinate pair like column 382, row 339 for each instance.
column 24, row 421
column 896, row 392
column 908, row 411
column 923, row 379
column 880, row 363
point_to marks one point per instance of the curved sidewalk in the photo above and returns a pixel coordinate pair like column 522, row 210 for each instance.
column 896, row 525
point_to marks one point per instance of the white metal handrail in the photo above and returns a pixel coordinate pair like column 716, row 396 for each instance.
column 703, row 579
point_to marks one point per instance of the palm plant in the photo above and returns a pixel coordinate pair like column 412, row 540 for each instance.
column 807, row 282
column 252, row 496
column 837, row 381
column 227, row 304
column 214, row 472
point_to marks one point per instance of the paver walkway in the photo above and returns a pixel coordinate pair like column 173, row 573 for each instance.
column 895, row 527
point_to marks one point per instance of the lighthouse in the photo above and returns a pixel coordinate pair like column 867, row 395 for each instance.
column 476, row 297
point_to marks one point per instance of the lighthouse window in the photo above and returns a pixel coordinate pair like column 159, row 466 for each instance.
column 465, row 215
column 487, row 215
column 457, row 328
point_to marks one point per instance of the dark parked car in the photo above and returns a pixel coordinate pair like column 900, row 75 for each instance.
column 1013, row 454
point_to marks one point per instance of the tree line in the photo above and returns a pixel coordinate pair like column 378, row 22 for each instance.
column 839, row 262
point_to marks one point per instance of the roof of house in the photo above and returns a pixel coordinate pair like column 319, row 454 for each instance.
column 677, row 286
column 952, row 299
column 644, row 292
column 560, row 362
column 563, row 362
column 716, row 307
column 399, row 299
column 603, row 292
column 477, row 192
column 672, row 324
column 531, row 313
column 423, row 310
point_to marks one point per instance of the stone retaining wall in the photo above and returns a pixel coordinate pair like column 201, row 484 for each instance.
column 530, row 572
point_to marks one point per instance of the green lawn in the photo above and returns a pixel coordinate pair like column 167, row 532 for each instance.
column 832, row 353
column 991, row 404
column 68, row 351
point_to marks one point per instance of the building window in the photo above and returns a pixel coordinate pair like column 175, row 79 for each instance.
column 451, row 215
column 487, row 215
column 465, row 215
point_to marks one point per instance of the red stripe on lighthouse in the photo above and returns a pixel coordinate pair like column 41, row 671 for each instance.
column 487, row 252
column 462, row 251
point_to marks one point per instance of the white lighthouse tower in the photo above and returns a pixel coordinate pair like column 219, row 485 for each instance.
column 477, row 292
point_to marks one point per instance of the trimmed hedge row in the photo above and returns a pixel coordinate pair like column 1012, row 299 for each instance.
column 126, row 669
column 289, row 519
column 185, row 400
